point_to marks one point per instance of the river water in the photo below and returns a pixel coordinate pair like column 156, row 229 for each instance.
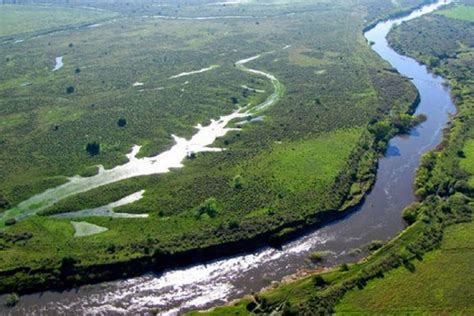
column 206, row 285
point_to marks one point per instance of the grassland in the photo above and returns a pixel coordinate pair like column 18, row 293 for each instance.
column 313, row 153
column 440, row 284
column 16, row 19
column 460, row 12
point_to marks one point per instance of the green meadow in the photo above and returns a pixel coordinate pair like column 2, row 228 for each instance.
column 16, row 19
column 460, row 12
column 439, row 284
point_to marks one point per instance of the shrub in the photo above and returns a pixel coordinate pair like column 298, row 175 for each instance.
column 12, row 300
column 375, row 244
column 4, row 204
column 10, row 222
column 319, row 281
column 237, row 182
column 410, row 213
column 93, row 148
column 344, row 267
column 233, row 224
column 318, row 256
column 210, row 207
column 462, row 186
column 70, row 89
column 121, row 122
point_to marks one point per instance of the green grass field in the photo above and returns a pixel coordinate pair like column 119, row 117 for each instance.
column 16, row 19
column 460, row 12
column 440, row 284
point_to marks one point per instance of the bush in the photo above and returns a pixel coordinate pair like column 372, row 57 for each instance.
column 4, row 204
column 10, row 222
column 344, row 267
column 318, row 256
column 237, row 182
column 210, row 207
column 319, row 281
column 121, row 122
column 70, row 89
column 93, row 148
column 462, row 186
column 410, row 213
column 12, row 300
column 233, row 224
column 375, row 244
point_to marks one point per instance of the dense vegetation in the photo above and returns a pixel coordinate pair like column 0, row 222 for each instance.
column 427, row 268
column 313, row 155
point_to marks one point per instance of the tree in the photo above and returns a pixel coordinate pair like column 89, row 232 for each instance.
column 70, row 89
column 237, row 182
column 67, row 264
column 319, row 281
column 381, row 130
column 93, row 148
column 210, row 207
column 121, row 122
column 10, row 222
column 78, row 70
column 12, row 300
column 4, row 204
column 410, row 213
column 233, row 224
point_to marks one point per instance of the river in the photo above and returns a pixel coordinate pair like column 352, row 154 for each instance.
column 378, row 218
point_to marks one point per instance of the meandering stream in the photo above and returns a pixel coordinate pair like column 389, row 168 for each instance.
column 379, row 217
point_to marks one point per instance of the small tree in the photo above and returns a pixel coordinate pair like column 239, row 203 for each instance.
column 93, row 148
column 410, row 213
column 78, row 70
column 70, row 89
column 237, row 182
column 319, row 281
column 234, row 100
column 210, row 207
column 12, row 300
column 4, row 204
column 121, row 122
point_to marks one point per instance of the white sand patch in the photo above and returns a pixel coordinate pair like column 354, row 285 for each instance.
column 59, row 63
column 183, row 74
column 84, row 229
